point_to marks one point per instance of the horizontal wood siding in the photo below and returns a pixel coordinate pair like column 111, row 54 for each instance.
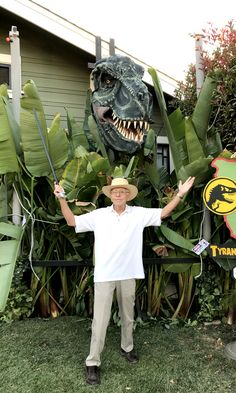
column 59, row 70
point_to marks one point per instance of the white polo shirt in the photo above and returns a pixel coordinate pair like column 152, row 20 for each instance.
column 118, row 240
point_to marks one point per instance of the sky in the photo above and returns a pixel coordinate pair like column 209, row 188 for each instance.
column 156, row 32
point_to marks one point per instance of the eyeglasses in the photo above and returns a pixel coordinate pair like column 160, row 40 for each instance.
column 119, row 192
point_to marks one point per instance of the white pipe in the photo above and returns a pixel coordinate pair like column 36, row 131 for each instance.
column 16, row 95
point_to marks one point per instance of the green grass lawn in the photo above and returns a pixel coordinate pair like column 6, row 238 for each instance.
column 39, row 356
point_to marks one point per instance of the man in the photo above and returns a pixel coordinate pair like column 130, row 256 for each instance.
column 118, row 231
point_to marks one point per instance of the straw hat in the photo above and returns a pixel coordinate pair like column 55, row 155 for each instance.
column 121, row 183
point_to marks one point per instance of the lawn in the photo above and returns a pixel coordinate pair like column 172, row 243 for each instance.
column 39, row 356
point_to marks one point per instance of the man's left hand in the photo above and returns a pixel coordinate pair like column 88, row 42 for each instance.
column 185, row 187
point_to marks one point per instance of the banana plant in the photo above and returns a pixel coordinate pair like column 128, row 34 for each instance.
column 191, row 142
column 188, row 138
column 193, row 145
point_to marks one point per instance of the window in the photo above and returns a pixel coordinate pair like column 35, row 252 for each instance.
column 163, row 156
column 5, row 74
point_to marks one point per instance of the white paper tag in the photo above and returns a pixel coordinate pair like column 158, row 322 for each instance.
column 200, row 246
column 234, row 273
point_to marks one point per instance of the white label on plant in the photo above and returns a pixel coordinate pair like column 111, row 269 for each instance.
column 234, row 273
column 200, row 246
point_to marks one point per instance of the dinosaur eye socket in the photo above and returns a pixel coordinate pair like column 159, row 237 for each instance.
column 107, row 80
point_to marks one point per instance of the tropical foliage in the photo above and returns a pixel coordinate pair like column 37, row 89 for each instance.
column 218, row 61
column 82, row 164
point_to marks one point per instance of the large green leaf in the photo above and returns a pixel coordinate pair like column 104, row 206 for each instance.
column 180, row 215
column 153, row 174
column 193, row 145
column 174, row 238
column 8, row 157
column 9, row 250
column 11, row 230
column 162, row 105
column 150, row 143
column 214, row 144
column 94, row 131
column 178, row 125
column 132, row 163
column 176, row 120
column 76, row 135
column 15, row 128
column 199, row 168
column 34, row 153
column 58, row 143
column 202, row 111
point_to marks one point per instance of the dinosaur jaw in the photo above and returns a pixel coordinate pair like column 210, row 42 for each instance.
column 127, row 132
column 229, row 198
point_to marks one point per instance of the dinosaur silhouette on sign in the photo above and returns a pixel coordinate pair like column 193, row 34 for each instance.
column 219, row 194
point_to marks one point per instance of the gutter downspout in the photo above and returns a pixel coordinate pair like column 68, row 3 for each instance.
column 16, row 95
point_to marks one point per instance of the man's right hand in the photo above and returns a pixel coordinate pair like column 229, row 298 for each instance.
column 59, row 191
column 65, row 209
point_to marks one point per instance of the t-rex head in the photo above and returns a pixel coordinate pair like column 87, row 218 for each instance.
column 121, row 103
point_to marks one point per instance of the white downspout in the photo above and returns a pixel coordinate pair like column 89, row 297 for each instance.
column 16, row 95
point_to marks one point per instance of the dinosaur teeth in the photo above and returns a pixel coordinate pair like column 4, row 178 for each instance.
column 131, row 130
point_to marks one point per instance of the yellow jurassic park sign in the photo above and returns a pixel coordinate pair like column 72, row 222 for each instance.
column 219, row 194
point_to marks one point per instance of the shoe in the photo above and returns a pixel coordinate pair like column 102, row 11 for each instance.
column 93, row 375
column 130, row 356
column 230, row 350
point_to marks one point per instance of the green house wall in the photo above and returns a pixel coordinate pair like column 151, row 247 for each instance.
column 59, row 70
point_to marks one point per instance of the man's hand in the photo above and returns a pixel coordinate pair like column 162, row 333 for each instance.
column 185, row 187
column 59, row 191
column 66, row 211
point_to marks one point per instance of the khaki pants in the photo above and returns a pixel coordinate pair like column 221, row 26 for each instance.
column 103, row 296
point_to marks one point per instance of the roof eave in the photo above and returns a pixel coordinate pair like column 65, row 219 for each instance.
column 75, row 35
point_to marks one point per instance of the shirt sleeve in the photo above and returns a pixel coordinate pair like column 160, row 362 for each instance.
column 85, row 222
column 151, row 217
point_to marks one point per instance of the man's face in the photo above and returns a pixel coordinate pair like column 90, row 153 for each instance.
column 119, row 196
